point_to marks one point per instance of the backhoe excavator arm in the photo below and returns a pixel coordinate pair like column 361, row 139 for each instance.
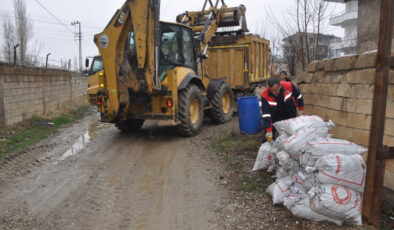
column 205, row 23
column 138, row 19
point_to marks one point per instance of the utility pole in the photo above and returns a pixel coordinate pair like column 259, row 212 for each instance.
column 79, row 35
column 377, row 152
column 15, row 53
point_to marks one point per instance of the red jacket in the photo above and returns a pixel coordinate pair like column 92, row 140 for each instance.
column 292, row 98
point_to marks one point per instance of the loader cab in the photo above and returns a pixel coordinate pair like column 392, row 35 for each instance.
column 97, row 65
column 176, row 48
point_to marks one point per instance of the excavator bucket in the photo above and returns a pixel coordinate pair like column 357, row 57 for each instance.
column 222, row 17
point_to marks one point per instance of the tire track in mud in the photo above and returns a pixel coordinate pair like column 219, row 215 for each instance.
column 102, row 207
column 10, row 164
column 116, row 181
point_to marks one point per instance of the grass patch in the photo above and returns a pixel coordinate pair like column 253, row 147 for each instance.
column 236, row 143
column 248, row 184
column 14, row 139
column 228, row 158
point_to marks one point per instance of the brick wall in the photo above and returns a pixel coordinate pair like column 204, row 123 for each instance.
column 341, row 90
column 29, row 92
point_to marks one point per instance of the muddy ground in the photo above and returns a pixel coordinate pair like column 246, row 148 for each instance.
column 90, row 176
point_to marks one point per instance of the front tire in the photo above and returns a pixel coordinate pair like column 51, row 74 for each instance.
column 222, row 102
column 129, row 126
column 190, row 111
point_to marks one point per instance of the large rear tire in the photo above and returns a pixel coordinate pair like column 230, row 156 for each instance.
column 222, row 102
column 131, row 125
column 190, row 111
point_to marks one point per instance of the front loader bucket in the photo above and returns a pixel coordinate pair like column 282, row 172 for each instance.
column 224, row 17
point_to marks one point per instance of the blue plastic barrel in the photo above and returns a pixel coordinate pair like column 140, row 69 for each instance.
column 249, row 115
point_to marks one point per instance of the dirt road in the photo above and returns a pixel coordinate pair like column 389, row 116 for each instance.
column 89, row 176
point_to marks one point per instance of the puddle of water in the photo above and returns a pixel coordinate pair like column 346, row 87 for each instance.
column 93, row 128
column 77, row 146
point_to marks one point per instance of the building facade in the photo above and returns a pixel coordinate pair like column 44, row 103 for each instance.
column 346, row 19
column 318, row 48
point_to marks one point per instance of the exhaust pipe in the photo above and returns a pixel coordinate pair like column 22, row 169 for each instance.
column 156, row 7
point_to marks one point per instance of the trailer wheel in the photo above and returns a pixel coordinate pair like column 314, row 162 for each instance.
column 222, row 102
column 128, row 126
column 190, row 111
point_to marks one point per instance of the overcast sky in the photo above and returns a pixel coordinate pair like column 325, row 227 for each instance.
column 95, row 14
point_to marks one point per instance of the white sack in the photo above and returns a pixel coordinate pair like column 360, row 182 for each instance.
column 294, row 167
column 272, row 168
column 338, row 202
column 299, row 178
column 264, row 157
column 319, row 147
column 281, row 173
column 307, row 180
column 280, row 189
column 343, row 170
column 291, row 126
column 299, row 205
column 278, row 143
column 297, row 142
column 284, row 160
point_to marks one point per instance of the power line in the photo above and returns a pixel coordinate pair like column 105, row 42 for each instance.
column 50, row 22
column 49, row 12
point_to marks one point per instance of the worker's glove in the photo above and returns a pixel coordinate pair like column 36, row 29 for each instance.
column 300, row 113
column 268, row 136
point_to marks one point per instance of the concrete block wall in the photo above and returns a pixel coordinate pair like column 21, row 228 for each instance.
column 341, row 90
column 29, row 92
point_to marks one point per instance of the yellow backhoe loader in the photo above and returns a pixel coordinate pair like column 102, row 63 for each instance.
column 154, row 70
column 95, row 78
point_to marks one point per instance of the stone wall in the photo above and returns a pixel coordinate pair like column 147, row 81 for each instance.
column 29, row 92
column 341, row 90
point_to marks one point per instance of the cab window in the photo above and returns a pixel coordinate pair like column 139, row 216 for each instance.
column 188, row 50
column 170, row 45
column 97, row 65
column 131, row 50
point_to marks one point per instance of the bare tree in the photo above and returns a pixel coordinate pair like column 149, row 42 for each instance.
column 319, row 8
column 24, row 28
column 303, row 21
column 301, row 37
column 307, row 15
column 9, row 39
column 290, row 54
column 275, row 49
column 33, row 56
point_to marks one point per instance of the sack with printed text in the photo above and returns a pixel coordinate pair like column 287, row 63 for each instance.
column 291, row 126
column 349, row 171
column 280, row 189
column 321, row 146
column 338, row 202
column 298, row 202
column 295, row 144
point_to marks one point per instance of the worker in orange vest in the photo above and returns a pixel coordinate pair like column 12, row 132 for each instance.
column 279, row 101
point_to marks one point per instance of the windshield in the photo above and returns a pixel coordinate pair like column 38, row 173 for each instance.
column 97, row 65
column 170, row 49
column 176, row 48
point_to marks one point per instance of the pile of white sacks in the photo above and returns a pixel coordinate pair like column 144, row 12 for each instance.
column 318, row 178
